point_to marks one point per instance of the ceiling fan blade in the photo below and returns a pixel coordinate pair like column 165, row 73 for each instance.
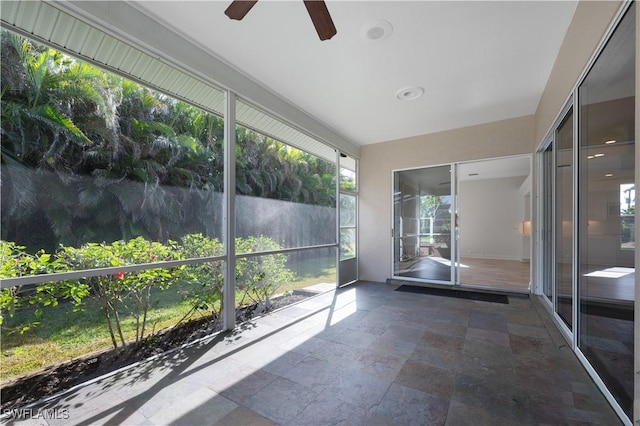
column 239, row 8
column 321, row 18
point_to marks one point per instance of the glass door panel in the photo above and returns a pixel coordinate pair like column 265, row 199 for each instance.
column 348, row 205
column 348, row 261
column 422, row 224
column 606, row 271
column 547, row 222
column 564, row 220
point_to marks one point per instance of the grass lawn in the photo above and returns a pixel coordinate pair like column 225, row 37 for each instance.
column 63, row 334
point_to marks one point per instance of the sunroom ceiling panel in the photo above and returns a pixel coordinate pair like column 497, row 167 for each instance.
column 44, row 22
column 129, row 61
column 77, row 37
column 47, row 22
column 142, row 65
column 92, row 45
column 253, row 118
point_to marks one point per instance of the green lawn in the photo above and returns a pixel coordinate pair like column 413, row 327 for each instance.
column 63, row 334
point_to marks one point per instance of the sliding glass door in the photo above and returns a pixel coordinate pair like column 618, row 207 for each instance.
column 493, row 218
column 348, row 216
column 586, row 243
column 606, row 188
column 423, row 247
column 464, row 224
column 564, row 220
column 546, row 246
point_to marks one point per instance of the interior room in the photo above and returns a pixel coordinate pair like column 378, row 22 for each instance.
column 384, row 212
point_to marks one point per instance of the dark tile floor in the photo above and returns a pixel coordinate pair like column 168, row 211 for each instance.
column 365, row 354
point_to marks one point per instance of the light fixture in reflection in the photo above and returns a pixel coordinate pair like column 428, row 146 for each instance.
column 595, row 156
column 609, row 175
column 610, row 141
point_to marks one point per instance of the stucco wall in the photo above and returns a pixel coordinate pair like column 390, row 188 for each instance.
column 588, row 26
column 498, row 139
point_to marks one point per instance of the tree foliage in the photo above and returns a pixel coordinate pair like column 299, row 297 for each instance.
column 89, row 156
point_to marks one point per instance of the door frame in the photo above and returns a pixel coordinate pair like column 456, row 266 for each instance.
column 457, row 226
column 453, row 244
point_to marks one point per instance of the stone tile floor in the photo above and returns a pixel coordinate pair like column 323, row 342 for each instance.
column 361, row 355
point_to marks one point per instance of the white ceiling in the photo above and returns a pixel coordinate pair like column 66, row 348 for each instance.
column 478, row 61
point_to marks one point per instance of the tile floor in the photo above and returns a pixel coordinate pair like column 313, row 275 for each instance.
column 362, row 355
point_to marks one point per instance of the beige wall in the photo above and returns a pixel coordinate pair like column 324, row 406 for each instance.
column 498, row 139
column 588, row 26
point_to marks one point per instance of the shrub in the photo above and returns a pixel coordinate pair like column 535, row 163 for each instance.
column 16, row 262
column 113, row 291
column 258, row 278
column 206, row 279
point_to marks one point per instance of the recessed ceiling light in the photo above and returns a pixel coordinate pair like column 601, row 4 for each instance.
column 609, row 142
column 609, row 175
column 598, row 155
column 377, row 30
column 409, row 93
column 589, row 157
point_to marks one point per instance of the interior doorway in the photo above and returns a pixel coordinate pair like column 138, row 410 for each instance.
column 465, row 224
column 494, row 206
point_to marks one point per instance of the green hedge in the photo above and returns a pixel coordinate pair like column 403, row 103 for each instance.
column 130, row 293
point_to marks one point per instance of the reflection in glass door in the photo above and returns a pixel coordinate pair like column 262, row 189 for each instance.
column 546, row 231
column 588, row 210
column 606, row 190
column 564, row 220
column 422, row 225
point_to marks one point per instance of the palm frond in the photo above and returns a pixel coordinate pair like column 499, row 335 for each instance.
column 58, row 122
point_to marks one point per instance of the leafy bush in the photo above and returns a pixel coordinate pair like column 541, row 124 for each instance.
column 260, row 277
column 122, row 291
column 206, row 279
column 130, row 293
column 16, row 262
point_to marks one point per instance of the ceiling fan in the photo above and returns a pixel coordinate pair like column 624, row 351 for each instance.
column 317, row 11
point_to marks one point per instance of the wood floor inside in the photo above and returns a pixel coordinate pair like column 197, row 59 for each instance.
column 511, row 275
column 508, row 274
